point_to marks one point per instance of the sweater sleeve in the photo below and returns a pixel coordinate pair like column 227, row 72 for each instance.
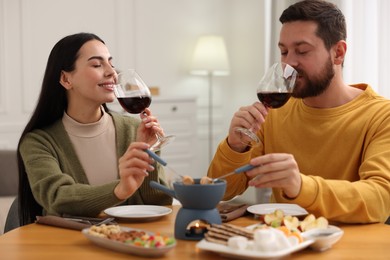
column 362, row 199
column 227, row 160
column 55, row 181
column 58, row 181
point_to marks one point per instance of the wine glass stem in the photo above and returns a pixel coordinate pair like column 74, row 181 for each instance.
column 159, row 137
column 156, row 146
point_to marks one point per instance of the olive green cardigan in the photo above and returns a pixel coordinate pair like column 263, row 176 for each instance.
column 59, row 183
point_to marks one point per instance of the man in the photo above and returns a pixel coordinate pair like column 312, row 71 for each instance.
column 328, row 148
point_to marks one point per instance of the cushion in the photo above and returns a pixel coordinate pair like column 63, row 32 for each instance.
column 5, row 204
column 8, row 173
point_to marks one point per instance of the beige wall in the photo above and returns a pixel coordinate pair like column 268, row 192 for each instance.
column 155, row 37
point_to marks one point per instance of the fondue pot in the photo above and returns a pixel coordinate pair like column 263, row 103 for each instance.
column 199, row 202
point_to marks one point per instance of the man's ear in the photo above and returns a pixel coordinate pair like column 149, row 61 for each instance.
column 340, row 50
column 65, row 80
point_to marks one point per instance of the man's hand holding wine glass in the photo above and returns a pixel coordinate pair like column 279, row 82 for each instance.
column 277, row 169
column 248, row 117
column 273, row 91
column 274, row 170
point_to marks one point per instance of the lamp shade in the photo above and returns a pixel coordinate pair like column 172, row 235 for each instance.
column 210, row 56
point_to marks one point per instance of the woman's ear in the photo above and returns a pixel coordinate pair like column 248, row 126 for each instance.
column 340, row 50
column 65, row 80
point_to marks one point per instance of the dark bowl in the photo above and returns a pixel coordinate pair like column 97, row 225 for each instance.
column 200, row 196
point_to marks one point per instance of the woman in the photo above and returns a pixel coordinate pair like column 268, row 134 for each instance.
column 68, row 153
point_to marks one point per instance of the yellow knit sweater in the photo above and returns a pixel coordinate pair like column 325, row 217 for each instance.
column 343, row 154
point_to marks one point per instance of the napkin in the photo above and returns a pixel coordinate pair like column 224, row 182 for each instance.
column 75, row 223
column 230, row 211
column 61, row 222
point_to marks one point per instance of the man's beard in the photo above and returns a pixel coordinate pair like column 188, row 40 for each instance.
column 316, row 85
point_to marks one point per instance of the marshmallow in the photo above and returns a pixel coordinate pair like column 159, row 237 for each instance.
column 270, row 239
column 238, row 242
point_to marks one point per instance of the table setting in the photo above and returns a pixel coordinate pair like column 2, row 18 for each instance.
column 316, row 239
column 47, row 242
column 201, row 227
column 203, row 217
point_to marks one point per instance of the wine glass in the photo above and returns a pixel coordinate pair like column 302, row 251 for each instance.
column 134, row 96
column 273, row 91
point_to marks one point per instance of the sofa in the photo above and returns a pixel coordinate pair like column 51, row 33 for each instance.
column 8, row 183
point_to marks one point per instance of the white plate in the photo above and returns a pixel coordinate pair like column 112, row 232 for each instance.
column 138, row 212
column 267, row 208
column 127, row 248
column 249, row 254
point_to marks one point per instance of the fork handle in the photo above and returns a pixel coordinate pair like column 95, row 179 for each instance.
column 156, row 157
column 244, row 168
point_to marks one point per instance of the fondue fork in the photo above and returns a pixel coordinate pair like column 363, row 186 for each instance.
column 241, row 169
column 161, row 161
column 156, row 157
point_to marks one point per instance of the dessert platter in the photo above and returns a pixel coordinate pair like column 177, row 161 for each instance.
column 249, row 254
column 252, row 246
column 129, row 240
column 275, row 236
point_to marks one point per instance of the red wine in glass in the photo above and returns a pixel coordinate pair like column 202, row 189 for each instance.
column 136, row 104
column 273, row 99
column 134, row 96
column 273, row 91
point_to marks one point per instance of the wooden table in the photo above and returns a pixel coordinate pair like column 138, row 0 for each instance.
column 42, row 242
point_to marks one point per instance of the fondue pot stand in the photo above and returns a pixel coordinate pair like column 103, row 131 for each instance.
column 199, row 203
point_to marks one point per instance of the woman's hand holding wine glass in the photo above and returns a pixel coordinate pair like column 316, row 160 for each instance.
column 149, row 128
column 134, row 96
column 273, row 91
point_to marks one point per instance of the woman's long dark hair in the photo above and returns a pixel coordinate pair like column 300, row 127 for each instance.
column 51, row 105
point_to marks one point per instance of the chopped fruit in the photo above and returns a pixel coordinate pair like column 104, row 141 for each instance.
column 276, row 223
column 311, row 222
column 297, row 234
column 285, row 230
column 279, row 213
column 309, row 218
column 291, row 233
column 277, row 219
column 307, row 223
column 291, row 222
column 274, row 219
column 133, row 237
column 322, row 222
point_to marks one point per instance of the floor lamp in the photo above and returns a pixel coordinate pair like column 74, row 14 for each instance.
column 210, row 59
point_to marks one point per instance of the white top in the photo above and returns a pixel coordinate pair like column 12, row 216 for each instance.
column 95, row 147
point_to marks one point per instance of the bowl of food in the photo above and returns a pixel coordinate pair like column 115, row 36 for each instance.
column 324, row 238
column 195, row 195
